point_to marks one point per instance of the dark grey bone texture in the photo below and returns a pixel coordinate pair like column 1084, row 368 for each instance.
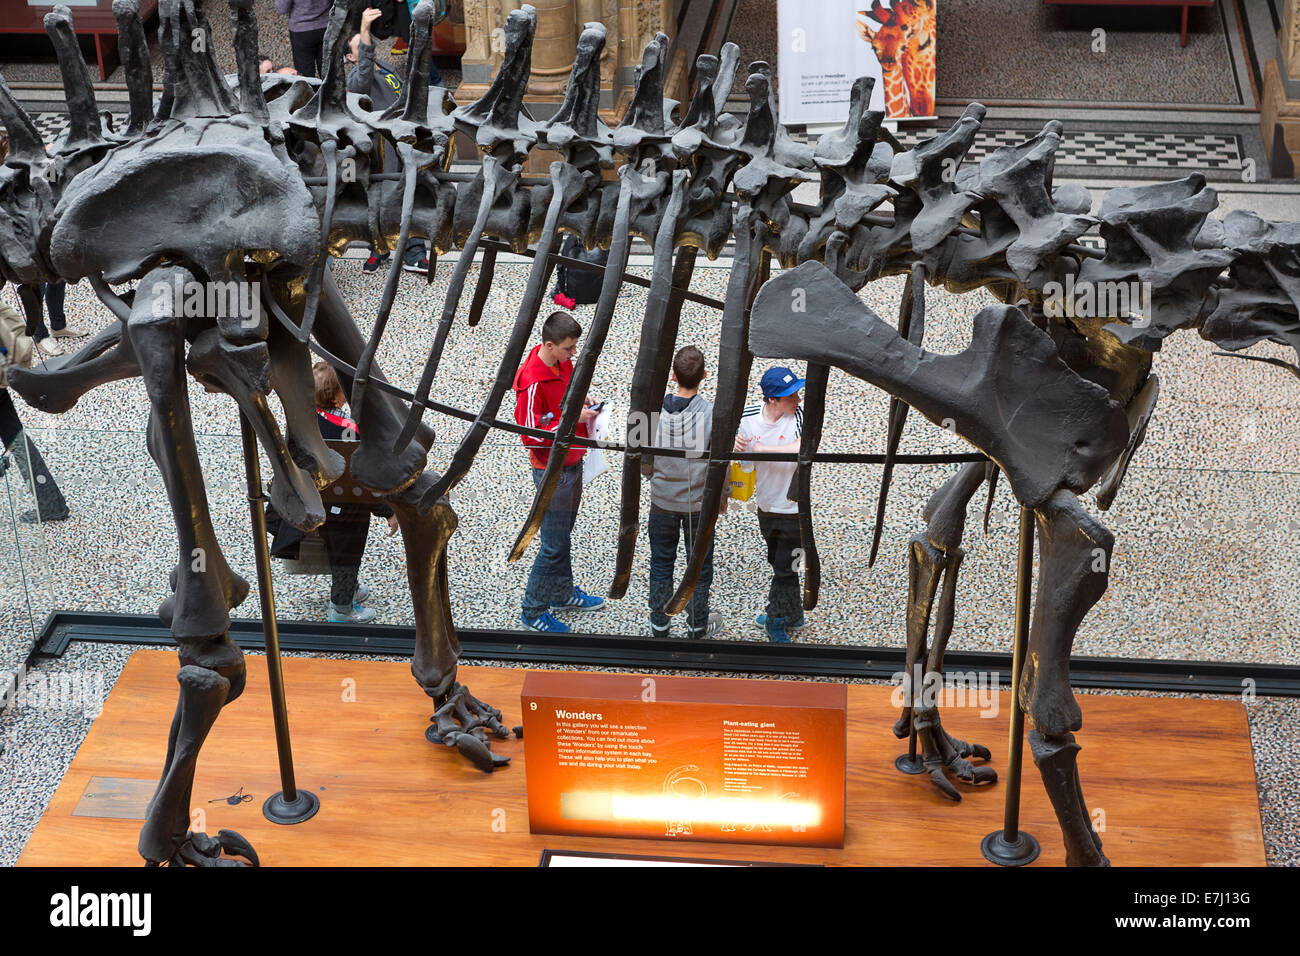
column 1059, row 401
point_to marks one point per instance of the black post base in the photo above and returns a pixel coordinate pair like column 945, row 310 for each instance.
column 997, row 850
column 278, row 810
column 910, row 764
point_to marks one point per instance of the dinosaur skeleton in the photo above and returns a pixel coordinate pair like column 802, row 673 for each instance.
column 1056, row 402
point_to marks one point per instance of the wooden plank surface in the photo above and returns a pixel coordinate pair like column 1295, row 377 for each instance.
column 1174, row 779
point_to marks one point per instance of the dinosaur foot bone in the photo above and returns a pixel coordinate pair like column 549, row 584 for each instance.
column 199, row 849
column 464, row 722
column 944, row 754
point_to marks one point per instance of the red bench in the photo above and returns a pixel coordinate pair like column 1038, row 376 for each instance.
column 96, row 21
column 1140, row 3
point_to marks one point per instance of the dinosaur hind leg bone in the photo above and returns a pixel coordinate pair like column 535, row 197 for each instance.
column 1074, row 558
column 1052, row 433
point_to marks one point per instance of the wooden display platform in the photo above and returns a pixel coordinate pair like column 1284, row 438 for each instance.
column 1174, row 778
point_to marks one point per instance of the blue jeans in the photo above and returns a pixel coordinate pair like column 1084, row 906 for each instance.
column 664, row 529
column 784, row 597
column 415, row 251
column 551, row 579
column 30, row 296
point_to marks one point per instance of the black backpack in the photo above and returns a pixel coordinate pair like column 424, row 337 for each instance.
column 581, row 285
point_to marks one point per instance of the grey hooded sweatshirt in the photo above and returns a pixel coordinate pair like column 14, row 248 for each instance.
column 678, row 483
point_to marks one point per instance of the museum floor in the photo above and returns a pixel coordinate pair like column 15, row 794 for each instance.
column 1204, row 567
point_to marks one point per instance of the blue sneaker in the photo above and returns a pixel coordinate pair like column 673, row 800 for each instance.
column 775, row 628
column 761, row 621
column 581, row 601
column 546, row 623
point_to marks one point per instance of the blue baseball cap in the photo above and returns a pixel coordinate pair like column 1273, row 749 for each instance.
column 779, row 382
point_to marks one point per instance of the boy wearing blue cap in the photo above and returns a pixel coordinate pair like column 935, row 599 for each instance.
column 775, row 425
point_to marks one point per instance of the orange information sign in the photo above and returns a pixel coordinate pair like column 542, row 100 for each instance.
column 695, row 758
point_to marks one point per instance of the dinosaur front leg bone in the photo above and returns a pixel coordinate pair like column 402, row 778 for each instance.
column 460, row 719
column 925, row 565
column 949, row 752
column 424, row 538
column 243, row 371
column 212, row 668
column 292, row 381
column 58, row 385
column 202, row 695
column 205, row 587
column 374, row 463
column 165, row 836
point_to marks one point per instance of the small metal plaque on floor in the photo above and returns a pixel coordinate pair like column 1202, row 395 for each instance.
column 121, row 798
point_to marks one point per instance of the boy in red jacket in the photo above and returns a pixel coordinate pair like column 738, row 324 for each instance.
column 540, row 385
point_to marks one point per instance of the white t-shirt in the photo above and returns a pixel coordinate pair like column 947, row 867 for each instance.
column 773, row 479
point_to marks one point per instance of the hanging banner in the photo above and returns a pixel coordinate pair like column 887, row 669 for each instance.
column 824, row 46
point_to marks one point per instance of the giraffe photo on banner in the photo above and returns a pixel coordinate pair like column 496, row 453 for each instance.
column 825, row 46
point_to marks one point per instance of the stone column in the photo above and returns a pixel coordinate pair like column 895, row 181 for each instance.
column 554, row 46
column 1279, row 113
column 638, row 22
column 479, row 59
column 629, row 26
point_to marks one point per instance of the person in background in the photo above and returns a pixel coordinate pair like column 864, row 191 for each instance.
column 539, row 386
column 377, row 80
column 346, row 526
column 53, row 294
column 265, row 65
column 676, row 494
column 307, row 21
column 16, row 349
column 403, row 11
column 775, row 426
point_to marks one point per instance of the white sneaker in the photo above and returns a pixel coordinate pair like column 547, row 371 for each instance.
column 714, row 626
column 353, row 615
column 49, row 348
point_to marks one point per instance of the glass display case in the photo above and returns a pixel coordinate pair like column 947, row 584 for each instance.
column 1202, row 566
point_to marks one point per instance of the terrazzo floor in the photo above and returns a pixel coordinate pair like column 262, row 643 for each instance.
column 1046, row 52
column 1201, row 567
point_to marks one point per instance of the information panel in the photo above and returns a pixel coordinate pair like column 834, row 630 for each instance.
column 695, row 758
column 824, row 46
